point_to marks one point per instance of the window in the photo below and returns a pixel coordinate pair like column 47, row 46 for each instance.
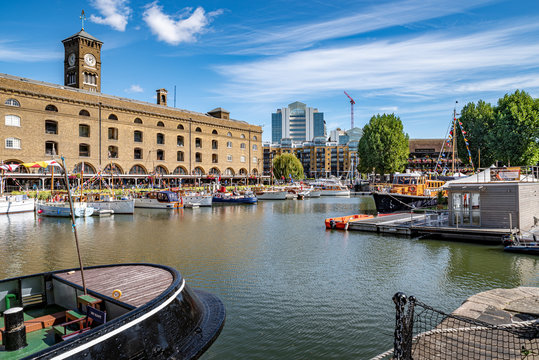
column 51, row 107
column 160, row 139
column 113, row 152
column 214, row 132
column 242, row 146
column 198, row 157
column 137, row 154
column 243, row 172
column 255, row 138
column 214, row 158
column 229, row 134
column 214, row 144
column 255, row 147
column 179, row 156
column 137, row 136
column 160, row 124
column 84, row 130
column 198, row 142
column 51, row 127
column 161, row 170
column 160, row 154
column 84, row 113
column 242, row 136
column 71, row 78
column 198, row 129
column 198, row 171
column 255, row 160
column 90, row 79
column 229, row 171
column 13, row 143
column 242, row 158
column 113, row 168
column 51, row 148
column 229, row 157
column 12, row 102
column 137, row 170
column 180, row 170
column 179, row 140
column 138, row 121
column 84, row 150
column 113, row 133
column 13, row 120
column 180, row 127
column 229, row 144
column 113, row 117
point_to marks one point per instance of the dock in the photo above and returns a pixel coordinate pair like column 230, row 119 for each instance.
column 138, row 283
column 401, row 223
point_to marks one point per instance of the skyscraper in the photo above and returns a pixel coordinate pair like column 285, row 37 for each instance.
column 297, row 122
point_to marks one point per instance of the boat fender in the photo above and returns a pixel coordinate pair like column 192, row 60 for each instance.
column 332, row 224
column 116, row 294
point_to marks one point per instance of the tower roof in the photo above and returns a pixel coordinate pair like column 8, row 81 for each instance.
column 83, row 34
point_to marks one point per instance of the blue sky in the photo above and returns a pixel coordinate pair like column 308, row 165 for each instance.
column 412, row 57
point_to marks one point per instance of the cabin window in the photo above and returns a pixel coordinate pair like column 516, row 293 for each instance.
column 84, row 150
column 51, row 127
column 137, row 136
column 137, row 154
column 84, row 130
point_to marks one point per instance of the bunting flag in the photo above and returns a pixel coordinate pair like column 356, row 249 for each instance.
column 9, row 167
column 41, row 164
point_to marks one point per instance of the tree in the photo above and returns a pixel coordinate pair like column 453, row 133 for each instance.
column 477, row 121
column 286, row 165
column 383, row 146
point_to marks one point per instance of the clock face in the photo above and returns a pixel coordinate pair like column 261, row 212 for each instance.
column 71, row 59
column 89, row 59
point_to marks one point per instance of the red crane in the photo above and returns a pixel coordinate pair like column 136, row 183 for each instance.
column 352, row 102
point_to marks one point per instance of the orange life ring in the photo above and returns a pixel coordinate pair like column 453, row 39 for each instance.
column 412, row 189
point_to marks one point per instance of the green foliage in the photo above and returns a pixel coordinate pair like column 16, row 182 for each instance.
column 477, row 121
column 286, row 165
column 383, row 146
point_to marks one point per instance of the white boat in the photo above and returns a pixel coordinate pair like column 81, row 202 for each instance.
column 62, row 209
column 271, row 194
column 119, row 206
column 16, row 204
column 313, row 193
column 331, row 187
column 159, row 200
column 191, row 199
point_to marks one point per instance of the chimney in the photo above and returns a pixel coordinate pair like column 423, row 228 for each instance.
column 161, row 97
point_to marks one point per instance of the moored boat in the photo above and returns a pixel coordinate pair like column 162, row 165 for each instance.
column 270, row 194
column 62, row 209
column 11, row 204
column 130, row 311
column 342, row 222
column 159, row 200
column 107, row 202
column 190, row 199
column 231, row 199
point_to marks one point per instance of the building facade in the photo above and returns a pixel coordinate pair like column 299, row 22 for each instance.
column 95, row 131
column 297, row 122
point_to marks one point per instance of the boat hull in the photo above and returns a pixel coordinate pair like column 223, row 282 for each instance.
column 63, row 209
column 234, row 201
column 200, row 200
column 14, row 205
column 391, row 202
column 334, row 192
column 155, row 204
column 271, row 195
column 118, row 206
column 523, row 249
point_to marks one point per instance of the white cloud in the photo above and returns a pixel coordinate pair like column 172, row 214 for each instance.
column 115, row 13
column 11, row 53
column 134, row 89
column 177, row 29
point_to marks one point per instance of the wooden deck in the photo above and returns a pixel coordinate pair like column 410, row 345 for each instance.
column 138, row 283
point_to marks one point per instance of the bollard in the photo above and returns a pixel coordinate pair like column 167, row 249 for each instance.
column 14, row 336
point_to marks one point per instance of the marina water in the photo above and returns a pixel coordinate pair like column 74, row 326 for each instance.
column 292, row 289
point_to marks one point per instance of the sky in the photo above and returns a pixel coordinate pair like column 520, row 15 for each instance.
column 414, row 58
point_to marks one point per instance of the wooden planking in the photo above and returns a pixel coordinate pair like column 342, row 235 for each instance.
column 138, row 283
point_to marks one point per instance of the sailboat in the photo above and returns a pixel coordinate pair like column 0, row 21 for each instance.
column 11, row 204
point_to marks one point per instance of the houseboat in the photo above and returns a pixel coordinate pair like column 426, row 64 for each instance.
column 159, row 200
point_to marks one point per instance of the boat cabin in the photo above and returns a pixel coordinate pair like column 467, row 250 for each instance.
column 164, row 196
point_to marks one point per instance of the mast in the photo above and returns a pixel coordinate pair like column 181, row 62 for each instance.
column 454, row 138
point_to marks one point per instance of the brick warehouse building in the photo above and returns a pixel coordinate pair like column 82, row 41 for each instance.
column 129, row 138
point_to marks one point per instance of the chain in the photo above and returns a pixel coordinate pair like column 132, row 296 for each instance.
column 400, row 301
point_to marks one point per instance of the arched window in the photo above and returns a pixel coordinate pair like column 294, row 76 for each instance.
column 255, row 147
column 198, row 142
column 180, row 127
column 84, row 130
column 180, row 170
column 13, row 120
column 229, row 171
column 160, row 124
column 84, row 150
column 160, row 154
column 13, row 143
column 255, row 172
column 51, row 107
column 179, row 140
column 179, row 156
column 214, row 132
column 243, row 171
column 198, row 171
column 214, row 145
column 138, row 121
column 88, row 168
column 113, row 117
column 229, row 144
column 137, row 154
column 12, row 102
column 113, row 152
column 242, row 136
column 214, row 171
column 138, row 170
column 160, row 139
column 51, row 148
column 161, row 170
column 198, row 129
column 114, row 169
column 198, row 157
column 137, row 136
column 229, row 134
column 255, row 138
column 214, row 158
column 242, row 146
column 51, row 127
column 84, row 113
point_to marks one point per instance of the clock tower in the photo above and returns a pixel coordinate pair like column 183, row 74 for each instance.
column 82, row 61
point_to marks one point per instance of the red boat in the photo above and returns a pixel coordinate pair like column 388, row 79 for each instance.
column 342, row 222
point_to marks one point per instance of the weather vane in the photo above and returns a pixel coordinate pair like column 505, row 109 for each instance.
column 82, row 18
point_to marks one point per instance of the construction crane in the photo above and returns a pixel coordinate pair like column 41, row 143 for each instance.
column 352, row 102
